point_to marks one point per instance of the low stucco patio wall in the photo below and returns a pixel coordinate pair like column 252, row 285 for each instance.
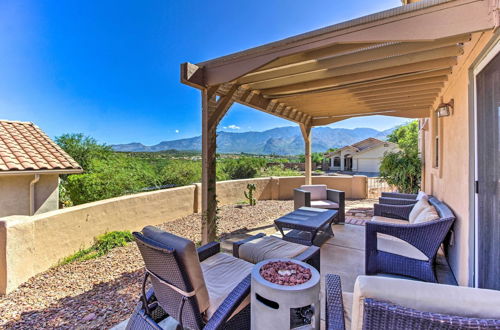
column 30, row 245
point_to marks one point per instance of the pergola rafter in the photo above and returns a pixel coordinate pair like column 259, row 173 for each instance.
column 391, row 63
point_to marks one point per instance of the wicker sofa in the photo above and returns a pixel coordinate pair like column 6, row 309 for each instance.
column 391, row 303
column 394, row 245
column 199, row 288
column 394, row 198
column 319, row 196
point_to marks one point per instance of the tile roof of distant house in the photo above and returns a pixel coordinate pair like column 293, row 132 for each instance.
column 25, row 147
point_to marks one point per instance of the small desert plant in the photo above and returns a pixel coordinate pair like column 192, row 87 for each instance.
column 102, row 245
column 249, row 194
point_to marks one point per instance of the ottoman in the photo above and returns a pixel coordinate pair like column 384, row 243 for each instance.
column 261, row 247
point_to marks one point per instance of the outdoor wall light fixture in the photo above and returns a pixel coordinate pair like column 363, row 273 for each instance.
column 445, row 109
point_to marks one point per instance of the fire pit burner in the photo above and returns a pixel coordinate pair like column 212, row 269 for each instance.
column 285, row 273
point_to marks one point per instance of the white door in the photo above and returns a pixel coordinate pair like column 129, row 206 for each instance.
column 368, row 165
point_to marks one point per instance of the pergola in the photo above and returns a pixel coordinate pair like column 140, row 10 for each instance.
column 392, row 63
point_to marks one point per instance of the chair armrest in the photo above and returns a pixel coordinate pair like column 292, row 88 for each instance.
column 236, row 245
column 338, row 197
column 396, row 201
column 427, row 236
column 392, row 211
column 208, row 250
column 399, row 195
column 229, row 305
column 301, row 198
column 334, row 304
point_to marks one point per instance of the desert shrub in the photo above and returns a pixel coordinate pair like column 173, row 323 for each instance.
column 116, row 176
column 102, row 245
column 278, row 170
column 242, row 168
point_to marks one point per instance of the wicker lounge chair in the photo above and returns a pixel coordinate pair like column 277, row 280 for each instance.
column 395, row 246
column 318, row 196
column 260, row 247
column 199, row 288
column 391, row 303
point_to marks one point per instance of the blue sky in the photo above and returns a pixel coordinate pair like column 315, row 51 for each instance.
column 110, row 69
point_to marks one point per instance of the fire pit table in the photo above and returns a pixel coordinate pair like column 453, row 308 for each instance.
column 285, row 295
column 308, row 225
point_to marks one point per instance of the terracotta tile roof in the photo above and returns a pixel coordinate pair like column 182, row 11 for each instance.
column 24, row 146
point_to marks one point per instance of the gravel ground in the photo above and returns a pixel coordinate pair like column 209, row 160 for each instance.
column 102, row 292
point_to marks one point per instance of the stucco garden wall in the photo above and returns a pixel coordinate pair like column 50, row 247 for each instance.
column 452, row 181
column 30, row 245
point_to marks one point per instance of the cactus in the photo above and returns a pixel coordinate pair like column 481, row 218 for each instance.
column 249, row 195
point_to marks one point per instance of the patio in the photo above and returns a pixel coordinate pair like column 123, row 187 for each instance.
column 103, row 291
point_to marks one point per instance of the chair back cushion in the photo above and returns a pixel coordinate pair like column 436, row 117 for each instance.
column 428, row 214
column 318, row 191
column 186, row 254
column 421, row 194
column 421, row 205
column 425, row 297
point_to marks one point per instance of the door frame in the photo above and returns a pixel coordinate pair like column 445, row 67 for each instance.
column 487, row 58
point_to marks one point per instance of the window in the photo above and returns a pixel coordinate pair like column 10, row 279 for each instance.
column 336, row 162
column 435, row 138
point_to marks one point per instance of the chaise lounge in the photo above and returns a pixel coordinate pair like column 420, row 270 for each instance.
column 199, row 288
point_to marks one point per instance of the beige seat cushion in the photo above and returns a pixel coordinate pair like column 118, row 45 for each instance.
column 347, row 302
column 188, row 255
column 420, row 206
column 390, row 220
column 324, row 204
column 318, row 191
column 222, row 274
column 397, row 246
column 269, row 247
column 428, row 214
column 426, row 297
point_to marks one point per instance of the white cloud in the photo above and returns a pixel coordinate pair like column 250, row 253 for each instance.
column 232, row 127
column 177, row 131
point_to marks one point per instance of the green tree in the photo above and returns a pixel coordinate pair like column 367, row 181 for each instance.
column 83, row 148
column 316, row 158
column 403, row 168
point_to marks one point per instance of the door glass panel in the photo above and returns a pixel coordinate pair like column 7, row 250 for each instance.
column 488, row 167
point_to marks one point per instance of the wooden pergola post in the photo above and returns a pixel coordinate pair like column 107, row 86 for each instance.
column 306, row 134
column 212, row 112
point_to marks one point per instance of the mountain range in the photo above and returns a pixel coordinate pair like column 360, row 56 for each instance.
column 279, row 141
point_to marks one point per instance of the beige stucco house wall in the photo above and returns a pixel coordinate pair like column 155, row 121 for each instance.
column 15, row 196
column 452, row 180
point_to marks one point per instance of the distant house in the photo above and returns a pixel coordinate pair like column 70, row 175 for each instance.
column 30, row 165
column 363, row 156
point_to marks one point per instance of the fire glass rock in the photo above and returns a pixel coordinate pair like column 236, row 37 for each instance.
column 285, row 273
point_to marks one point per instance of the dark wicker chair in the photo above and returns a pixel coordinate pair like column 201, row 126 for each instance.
column 173, row 294
column 302, row 197
column 426, row 237
column 380, row 313
column 311, row 255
